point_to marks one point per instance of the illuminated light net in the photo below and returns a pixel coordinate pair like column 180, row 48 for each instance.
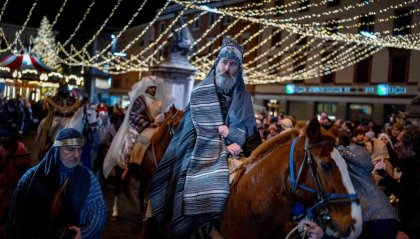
column 283, row 42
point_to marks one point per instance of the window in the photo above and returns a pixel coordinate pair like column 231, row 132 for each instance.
column 328, row 54
column 303, row 41
column 327, row 107
column 276, row 37
column 304, row 5
column 212, row 19
column 399, row 63
column 227, row 20
column 300, row 64
column 328, row 78
column 279, row 7
column 332, row 25
column 359, row 112
column 245, row 36
column 403, row 19
column 197, row 22
column 362, row 71
column 333, row 3
column 367, row 23
column 210, row 49
column 161, row 27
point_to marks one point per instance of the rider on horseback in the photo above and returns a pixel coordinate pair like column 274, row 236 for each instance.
column 61, row 108
column 147, row 99
column 191, row 184
column 144, row 118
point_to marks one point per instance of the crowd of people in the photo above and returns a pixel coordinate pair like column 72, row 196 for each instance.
column 60, row 197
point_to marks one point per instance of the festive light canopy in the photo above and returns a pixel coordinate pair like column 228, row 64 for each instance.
column 293, row 41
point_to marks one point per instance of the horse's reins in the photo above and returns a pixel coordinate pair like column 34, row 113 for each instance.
column 171, row 132
column 323, row 198
column 171, row 122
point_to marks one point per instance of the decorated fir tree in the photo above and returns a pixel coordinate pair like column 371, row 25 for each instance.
column 44, row 45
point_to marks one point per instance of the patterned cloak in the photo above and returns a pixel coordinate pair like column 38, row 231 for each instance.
column 191, row 184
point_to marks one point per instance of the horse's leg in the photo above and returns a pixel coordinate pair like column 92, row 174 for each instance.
column 117, row 192
column 115, row 207
column 142, row 202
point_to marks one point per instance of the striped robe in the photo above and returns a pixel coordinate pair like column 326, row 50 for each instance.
column 191, row 184
column 92, row 216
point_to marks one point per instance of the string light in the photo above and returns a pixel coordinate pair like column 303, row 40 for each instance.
column 61, row 46
column 23, row 27
column 58, row 14
column 3, row 8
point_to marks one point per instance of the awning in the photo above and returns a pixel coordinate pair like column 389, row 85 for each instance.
column 24, row 61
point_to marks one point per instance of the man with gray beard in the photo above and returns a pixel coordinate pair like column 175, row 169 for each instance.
column 191, row 183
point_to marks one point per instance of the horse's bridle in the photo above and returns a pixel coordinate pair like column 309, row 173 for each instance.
column 171, row 122
column 323, row 198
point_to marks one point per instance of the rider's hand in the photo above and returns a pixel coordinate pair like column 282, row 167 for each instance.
column 380, row 168
column 78, row 234
column 402, row 235
column 223, row 131
column 234, row 149
column 314, row 231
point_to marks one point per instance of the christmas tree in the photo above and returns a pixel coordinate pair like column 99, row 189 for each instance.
column 44, row 45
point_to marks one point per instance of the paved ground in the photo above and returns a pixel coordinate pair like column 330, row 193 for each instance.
column 126, row 226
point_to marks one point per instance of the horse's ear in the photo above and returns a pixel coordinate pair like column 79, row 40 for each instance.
column 313, row 130
column 173, row 108
column 93, row 106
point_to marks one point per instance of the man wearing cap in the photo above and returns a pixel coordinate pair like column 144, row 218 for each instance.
column 58, row 196
column 191, row 184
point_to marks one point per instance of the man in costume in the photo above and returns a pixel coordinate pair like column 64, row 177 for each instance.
column 144, row 118
column 147, row 101
column 191, row 184
column 58, row 195
column 61, row 109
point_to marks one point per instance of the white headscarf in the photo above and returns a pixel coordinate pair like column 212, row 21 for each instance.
column 115, row 153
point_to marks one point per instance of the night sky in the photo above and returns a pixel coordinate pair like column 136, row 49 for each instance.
column 17, row 11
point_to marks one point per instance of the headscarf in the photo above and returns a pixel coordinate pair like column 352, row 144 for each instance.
column 240, row 109
column 66, row 137
column 115, row 153
column 56, row 194
column 383, row 135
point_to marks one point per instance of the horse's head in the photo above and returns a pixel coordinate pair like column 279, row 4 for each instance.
column 325, row 172
column 89, row 114
column 173, row 117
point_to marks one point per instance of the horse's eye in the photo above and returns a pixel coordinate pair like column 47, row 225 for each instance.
column 326, row 166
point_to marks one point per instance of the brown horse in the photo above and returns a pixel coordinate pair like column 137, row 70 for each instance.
column 274, row 179
column 154, row 153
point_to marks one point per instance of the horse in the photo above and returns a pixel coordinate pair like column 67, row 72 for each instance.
column 85, row 121
column 287, row 170
column 284, row 172
column 154, row 153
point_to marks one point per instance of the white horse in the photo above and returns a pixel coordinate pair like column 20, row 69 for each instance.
column 86, row 122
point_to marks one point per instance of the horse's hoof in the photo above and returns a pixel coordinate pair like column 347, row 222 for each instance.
column 114, row 213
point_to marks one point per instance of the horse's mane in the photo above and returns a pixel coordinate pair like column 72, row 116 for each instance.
column 160, row 132
column 272, row 144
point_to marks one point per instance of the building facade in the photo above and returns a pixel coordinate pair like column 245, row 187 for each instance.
column 372, row 88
